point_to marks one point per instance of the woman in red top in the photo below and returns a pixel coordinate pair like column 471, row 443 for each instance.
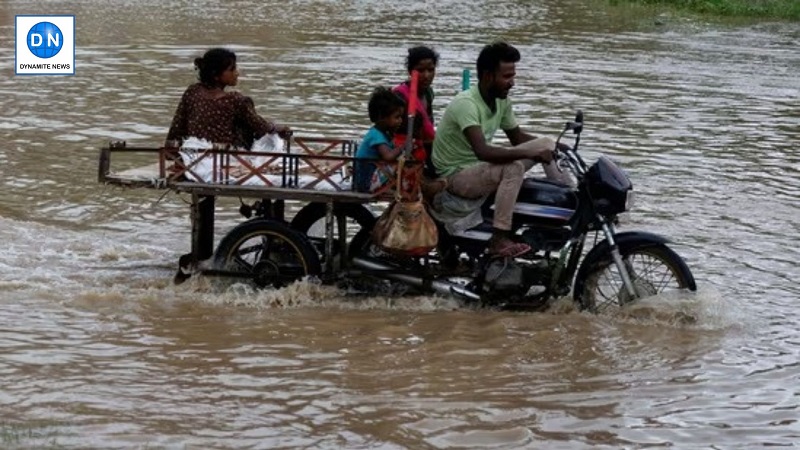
column 207, row 111
column 423, row 60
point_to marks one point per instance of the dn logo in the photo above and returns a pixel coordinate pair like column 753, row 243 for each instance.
column 44, row 45
column 45, row 40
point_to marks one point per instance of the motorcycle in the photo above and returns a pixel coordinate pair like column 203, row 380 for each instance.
column 555, row 220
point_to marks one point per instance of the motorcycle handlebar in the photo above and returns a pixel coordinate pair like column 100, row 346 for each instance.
column 566, row 154
column 576, row 126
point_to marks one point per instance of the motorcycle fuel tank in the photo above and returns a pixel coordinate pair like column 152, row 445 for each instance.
column 541, row 201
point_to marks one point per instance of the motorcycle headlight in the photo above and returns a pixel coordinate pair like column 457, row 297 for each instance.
column 629, row 200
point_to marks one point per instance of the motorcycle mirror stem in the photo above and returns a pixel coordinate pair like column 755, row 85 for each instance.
column 577, row 125
column 578, row 128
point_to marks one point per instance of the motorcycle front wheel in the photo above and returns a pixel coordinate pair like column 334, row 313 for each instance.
column 654, row 270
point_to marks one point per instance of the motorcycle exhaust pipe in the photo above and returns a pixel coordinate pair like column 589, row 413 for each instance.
column 440, row 287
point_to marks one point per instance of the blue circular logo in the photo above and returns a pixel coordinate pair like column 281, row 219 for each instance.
column 45, row 40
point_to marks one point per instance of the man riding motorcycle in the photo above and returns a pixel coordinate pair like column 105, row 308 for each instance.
column 472, row 165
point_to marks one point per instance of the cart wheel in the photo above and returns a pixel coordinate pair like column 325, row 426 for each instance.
column 268, row 252
column 310, row 220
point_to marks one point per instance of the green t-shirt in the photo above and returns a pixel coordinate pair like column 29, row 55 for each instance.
column 451, row 149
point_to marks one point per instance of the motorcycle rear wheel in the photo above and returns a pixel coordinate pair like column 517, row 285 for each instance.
column 654, row 270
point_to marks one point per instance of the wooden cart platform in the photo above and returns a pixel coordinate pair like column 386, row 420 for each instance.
column 309, row 169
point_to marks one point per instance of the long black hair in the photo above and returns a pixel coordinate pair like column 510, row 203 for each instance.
column 213, row 63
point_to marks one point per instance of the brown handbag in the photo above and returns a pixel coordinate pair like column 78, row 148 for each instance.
column 405, row 228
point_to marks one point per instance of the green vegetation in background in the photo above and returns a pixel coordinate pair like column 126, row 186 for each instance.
column 772, row 9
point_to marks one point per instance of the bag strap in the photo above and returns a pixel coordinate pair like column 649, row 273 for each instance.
column 412, row 111
column 401, row 161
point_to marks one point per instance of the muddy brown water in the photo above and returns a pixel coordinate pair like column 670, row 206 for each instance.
column 99, row 350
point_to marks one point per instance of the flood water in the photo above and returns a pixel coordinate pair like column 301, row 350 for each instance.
column 100, row 350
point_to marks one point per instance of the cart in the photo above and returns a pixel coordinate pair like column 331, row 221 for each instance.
column 268, row 248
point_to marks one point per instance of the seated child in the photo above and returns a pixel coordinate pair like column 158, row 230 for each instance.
column 386, row 113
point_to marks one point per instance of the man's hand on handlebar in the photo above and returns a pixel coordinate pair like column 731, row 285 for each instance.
column 542, row 155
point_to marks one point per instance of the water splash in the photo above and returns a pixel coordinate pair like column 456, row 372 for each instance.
column 704, row 309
